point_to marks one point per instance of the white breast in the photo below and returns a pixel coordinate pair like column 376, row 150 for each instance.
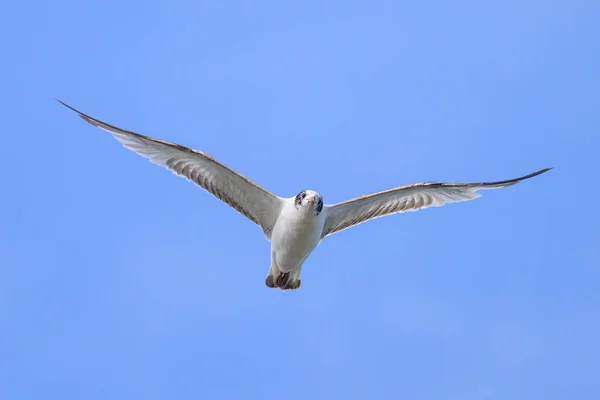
column 296, row 234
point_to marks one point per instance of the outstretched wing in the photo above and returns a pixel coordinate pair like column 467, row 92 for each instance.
column 257, row 204
column 405, row 198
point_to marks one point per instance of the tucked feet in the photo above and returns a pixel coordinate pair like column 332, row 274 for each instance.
column 270, row 281
column 292, row 285
column 283, row 281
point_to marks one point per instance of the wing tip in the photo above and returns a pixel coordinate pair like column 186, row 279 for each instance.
column 536, row 173
column 96, row 122
column 514, row 181
column 83, row 116
column 68, row 106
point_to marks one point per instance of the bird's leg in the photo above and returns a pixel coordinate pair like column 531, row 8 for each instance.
column 292, row 280
column 293, row 284
column 270, row 281
column 282, row 280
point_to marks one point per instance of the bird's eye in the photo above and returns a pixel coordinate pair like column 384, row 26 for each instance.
column 303, row 194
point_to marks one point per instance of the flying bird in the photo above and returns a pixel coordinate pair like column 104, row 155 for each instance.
column 294, row 225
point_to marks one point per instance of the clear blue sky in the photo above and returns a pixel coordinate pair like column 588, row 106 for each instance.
column 120, row 281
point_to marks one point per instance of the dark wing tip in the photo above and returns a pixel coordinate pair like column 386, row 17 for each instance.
column 85, row 117
column 541, row 171
column 510, row 182
column 115, row 129
column 504, row 183
column 68, row 106
column 98, row 123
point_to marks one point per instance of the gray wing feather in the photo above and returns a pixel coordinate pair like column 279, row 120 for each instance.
column 249, row 199
column 406, row 198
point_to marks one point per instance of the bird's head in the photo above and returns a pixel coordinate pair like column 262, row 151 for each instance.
column 310, row 199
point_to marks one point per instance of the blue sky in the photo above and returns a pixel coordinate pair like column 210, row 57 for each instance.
column 119, row 280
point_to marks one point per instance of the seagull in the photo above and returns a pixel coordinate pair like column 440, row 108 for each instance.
column 294, row 225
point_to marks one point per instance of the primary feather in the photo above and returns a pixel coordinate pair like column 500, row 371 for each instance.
column 405, row 198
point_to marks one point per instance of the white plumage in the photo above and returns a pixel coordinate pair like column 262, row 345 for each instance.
column 296, row 225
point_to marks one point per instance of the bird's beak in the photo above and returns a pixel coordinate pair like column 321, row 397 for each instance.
column 310, row 199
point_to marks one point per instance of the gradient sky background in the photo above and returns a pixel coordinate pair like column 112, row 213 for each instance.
column 120, row 281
